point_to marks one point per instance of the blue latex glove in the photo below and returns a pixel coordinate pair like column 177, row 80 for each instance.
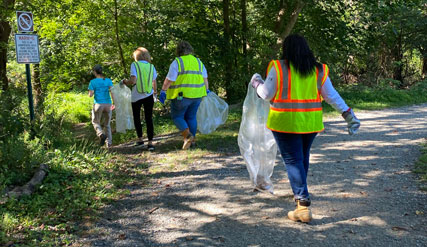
column 208, row 91
column 353, row 123
column 162, row 97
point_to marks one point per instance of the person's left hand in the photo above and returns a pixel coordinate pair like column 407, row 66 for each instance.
column 256, row 80
column 208, row 91
column 113, row 107
column 353, row 123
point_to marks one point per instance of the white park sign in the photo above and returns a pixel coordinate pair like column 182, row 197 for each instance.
column 27, row 48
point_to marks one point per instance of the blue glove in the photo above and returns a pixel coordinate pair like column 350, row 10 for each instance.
column 353, row 123
column 162, row 97
column 256, row 80
column 208, row 91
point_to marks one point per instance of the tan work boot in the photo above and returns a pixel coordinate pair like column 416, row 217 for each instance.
column 301, row 213
column 188, row 138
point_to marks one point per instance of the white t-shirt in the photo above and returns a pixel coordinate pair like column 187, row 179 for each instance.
column 135, row 95
column 173, row 71
column 267, row 91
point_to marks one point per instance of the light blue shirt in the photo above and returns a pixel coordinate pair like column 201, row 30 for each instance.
column 101, row 88
column 135, row 95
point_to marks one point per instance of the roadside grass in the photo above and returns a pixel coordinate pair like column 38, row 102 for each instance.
column 366, row 98
column 421, row 167
column 83, row 177
column 75, row 105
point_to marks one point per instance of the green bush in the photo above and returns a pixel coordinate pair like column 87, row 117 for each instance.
column 74, row 106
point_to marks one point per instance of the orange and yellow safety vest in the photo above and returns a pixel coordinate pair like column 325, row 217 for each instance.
column 297, row 105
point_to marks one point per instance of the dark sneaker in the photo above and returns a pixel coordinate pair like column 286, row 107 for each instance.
column 139, row 143
column 103, row 137
column 150, row 148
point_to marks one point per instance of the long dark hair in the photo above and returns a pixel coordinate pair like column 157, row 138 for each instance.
column 297, row 52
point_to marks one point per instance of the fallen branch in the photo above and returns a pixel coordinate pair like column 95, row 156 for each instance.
column 29, row 187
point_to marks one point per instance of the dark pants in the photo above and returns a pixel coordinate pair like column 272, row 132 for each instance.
column 148, row 104
column 295, row 150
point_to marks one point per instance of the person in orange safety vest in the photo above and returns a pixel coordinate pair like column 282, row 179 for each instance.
column 295, row 87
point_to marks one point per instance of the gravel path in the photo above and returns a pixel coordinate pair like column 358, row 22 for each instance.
column 363, row 194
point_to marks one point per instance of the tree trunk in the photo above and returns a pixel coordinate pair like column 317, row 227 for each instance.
column 227, row 51
column 424, row 67
column 38, row 91
column 244, row 38
column 5, row 30
column 29, row 187
column 281, row 30
column 398, row 57
column 116, row 18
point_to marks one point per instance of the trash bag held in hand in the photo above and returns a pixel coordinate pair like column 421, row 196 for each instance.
column 256, row 142
column 212, row 112
column 122, row 100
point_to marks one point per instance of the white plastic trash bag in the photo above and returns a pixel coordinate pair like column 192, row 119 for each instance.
column 122, row 101
column 256, row 142
column 212, row 112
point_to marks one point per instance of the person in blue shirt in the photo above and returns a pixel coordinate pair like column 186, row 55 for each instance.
column 144, row 93
column 100, row 88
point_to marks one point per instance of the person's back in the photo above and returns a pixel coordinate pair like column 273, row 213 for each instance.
column 102, row 106
column 101, row 88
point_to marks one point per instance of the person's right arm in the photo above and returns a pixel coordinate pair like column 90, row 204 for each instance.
column 266, row 90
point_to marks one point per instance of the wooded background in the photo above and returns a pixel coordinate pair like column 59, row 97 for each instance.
column 364, row 42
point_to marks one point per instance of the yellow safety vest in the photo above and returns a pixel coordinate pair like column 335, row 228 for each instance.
column 297, row 105
column 190, row 79
column 144, row 80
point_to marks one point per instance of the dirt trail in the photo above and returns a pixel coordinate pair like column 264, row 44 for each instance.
column 362, row 189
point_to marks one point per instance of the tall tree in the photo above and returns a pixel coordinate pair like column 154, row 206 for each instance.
column 116, row 28
column 228, row 58
column 286, row 20
column 5, row 29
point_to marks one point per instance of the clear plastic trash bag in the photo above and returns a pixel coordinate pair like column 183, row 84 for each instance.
column 122, row 101
column 256, row 142
column 212, row 112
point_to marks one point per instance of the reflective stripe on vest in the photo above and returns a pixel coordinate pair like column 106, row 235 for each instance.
column 190, row 79
column 145, row 73
column 297, row 105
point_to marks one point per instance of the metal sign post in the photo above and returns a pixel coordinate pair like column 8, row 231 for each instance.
column 30, row 91
column 27, row 50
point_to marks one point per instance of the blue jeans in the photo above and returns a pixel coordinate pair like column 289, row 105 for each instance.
column 295, row 150
column 184, row 113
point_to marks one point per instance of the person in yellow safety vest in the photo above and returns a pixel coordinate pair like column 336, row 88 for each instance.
column 185, row 85
column 144, row 87
column 295, row 87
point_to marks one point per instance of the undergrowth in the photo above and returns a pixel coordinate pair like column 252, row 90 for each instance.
column 421, row 167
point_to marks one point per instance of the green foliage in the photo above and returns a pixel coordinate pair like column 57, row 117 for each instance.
column 74, row 106
column 421, row 167
column 81, row 177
